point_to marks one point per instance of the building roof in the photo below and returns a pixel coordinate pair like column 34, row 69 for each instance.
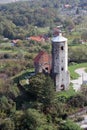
column 67, row 6
column 15, row 41
column 59, row 38
column 37, row 58
column 36, row 38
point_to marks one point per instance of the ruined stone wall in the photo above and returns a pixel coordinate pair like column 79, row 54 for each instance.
column 43, row 64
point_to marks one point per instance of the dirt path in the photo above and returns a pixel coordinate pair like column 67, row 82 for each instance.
column 83, row 77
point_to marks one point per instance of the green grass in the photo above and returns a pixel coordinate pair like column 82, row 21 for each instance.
column 86, row 70
column 21, row 76
column 43, row 30
column 78, row 46
column 2, row 67
column 13, row 51
column 72, row 69
column 6, row 44
column 64, row 95
column 74, row 35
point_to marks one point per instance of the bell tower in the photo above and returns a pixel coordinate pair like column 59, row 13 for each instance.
column 60, row 62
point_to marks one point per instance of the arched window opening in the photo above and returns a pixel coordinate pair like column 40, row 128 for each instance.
column 62, row 87
column 46, row 68
column 62, row 68
column 62, row 48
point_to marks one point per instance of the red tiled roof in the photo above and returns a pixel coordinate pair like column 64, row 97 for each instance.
column 15, row 41
column 37, row 58
column 42, row 61
column 36, row 38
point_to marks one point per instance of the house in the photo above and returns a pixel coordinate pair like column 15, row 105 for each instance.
column 14, row 42
column 42, row 62
column 37, row 38
column 67, row 6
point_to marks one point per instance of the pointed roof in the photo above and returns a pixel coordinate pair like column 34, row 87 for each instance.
column 59, row 38
column 37, row 58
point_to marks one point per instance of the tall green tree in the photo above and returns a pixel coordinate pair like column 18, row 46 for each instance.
column 8, row 33
column 48, row 92
column 36, row 86
column 32, row 119
column 42, row 88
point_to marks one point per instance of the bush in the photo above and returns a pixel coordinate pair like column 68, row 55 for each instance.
column 69, row 125
column 77, row 101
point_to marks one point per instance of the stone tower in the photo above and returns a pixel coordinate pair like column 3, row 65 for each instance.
column 60, row 62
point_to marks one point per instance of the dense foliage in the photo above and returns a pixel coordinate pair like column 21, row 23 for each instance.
column 35, row 105
column 19, row 20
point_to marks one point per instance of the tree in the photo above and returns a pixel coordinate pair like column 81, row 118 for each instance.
column 7, row 105
column 42, row 88
column 36, row 86
column 48, row 92
column 77, row 100
column 7, row 124
column 84, row 89
column 69, row 125
column 8, row 33
column 84, row 92
column 84, row 36
column 32, row 119
column 68, row 24
column 77, row 11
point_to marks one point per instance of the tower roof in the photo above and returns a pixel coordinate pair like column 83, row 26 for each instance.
column 59, row 38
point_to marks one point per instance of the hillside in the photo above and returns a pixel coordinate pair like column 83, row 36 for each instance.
column 29, row 101
column 9, row 1
column 6, row 1
column 61, row 1
column 22, row 17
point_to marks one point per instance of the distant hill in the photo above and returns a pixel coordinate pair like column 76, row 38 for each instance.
column 18, row 20
column 6, row 1
column 61, row 1
column 9, row 1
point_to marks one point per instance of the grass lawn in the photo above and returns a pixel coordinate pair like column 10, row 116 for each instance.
column 74, row 35
column 5, row 44
column 72, row 69
column 23, row 75
column 43, row 30
column 86, row 69
column 64, row 95
column 13, row 51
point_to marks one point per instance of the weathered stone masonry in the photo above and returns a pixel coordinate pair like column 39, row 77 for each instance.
column 60, row 62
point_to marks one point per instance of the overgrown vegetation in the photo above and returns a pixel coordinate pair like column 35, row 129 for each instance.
column 34, row 105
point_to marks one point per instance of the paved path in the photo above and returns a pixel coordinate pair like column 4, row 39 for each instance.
column 76, row 85
column 83, row 77
column 83, row 123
